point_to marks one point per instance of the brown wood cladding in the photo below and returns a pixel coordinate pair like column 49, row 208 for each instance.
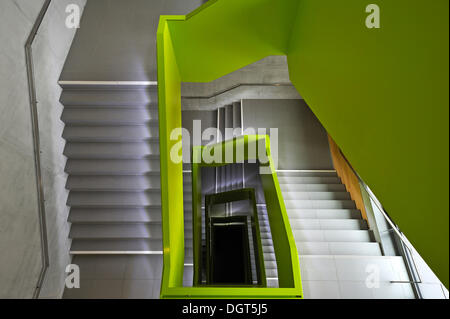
column 347, row 176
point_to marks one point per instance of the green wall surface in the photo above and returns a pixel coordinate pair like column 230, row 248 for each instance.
column 169, row 109
column 382, row 94
column 229, row 35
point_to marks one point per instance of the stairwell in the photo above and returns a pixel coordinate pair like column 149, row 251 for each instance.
column 226, row 178
column 112, row 150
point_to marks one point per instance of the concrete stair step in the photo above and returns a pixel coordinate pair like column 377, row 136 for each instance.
column 114, row 199
column 115, row 215
column 272, row 282
column 324, row 213
column 269, row 257
column 268, row 249
column 120, row 231
column 85, row 246
column 270, row 263
column 130, row 150
column 333, row 235
column 284, row 179
column 319, row 204
column 272, row 273
column 109, row 231
column 113, row 183
column 337, row 248
column 306, row 173
column 110, row 97
column 328, row 224
column 312, row 188
column 112, row 167
column 287, row 195
column 266, row 241
column 123, row 133
column 103, row 117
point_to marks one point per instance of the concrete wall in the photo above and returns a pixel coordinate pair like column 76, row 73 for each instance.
column 302, row 140
column 20, row 247
column 217, row 93
column 50, row 49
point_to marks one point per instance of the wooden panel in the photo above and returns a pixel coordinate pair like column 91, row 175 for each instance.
column 347, row 176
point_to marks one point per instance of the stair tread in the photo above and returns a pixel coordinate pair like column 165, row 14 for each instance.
column 118, row 231
column 110, row 97
column 129, row 150
column 133, row 182
column 113, row 199
column 308, row 180
column 101, row 116
column 115, row 245
column 307, row 173
column 120, row 133
column 328, row 224
column 112, row 166
column 312, row 187
column 339, row 248
column 333, row 235
column 311, row 195
column 324, row 213
column 115, row 231
column 319, row 204
column 117, row 215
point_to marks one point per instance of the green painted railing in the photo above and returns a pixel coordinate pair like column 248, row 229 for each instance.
column 257, row 148
column 289, row 279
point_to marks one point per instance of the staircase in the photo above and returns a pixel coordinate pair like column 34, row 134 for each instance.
column 112, row 151
column 337, row 250
column 226, row 178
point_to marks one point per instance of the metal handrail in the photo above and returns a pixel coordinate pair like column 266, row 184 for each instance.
column 235, row 86
column 36, row 145
column 205, row 5
column 407, row 255
column 378, row 204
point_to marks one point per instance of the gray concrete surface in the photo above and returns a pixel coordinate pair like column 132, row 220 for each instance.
column 302, row 140
column 20, row 249
column 117, row 277
column 20, row 245
column 272, row 70
column 50, row 49
column 117, row 39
